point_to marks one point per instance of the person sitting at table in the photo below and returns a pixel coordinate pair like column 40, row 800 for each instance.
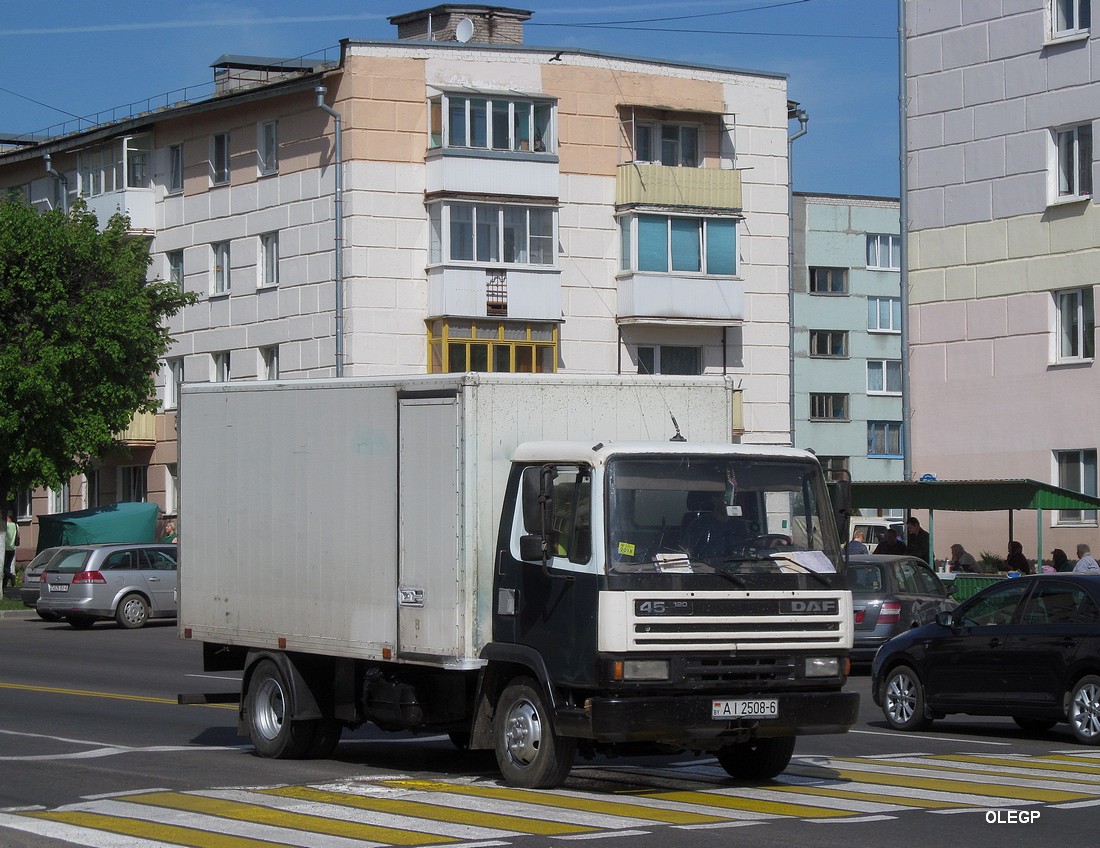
column 960, row 559
column 890, row 543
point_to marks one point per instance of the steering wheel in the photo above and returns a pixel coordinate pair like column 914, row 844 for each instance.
column 769, row 542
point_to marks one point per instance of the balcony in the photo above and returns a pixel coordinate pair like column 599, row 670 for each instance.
column 492, row 172
column 661, row 185
column 646, row 298
column 138, row 203
column 528, row 293
column 142, row 430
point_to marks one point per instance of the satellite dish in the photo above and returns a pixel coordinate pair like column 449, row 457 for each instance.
column 464, row 30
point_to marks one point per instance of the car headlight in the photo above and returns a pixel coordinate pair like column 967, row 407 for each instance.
column 822, row 666
column 640, row 670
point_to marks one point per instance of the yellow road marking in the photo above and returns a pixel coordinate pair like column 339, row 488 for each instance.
column 151, row 830
column 549, row 799
column 258, row 814
column 116, row 696
column 1036, row 763
column 436, row 812
column 748, row 805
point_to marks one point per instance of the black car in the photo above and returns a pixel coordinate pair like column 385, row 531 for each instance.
column 1028, row 648
column 892, row 593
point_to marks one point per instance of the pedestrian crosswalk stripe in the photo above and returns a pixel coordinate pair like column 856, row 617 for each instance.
column 993, row 786
column 280, row 818
column 508, row 824
column 750, row 805
column 545, row 798
column 1084, row 772
column 898, row 801
column 185, row 836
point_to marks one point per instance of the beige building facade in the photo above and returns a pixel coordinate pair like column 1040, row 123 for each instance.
column 1004, row 251
column 501, row 207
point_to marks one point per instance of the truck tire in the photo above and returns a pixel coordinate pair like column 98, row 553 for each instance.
column 267, row 707
column 758, row 759
column 530, row 755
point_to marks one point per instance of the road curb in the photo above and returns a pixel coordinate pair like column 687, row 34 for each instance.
column 23, row 613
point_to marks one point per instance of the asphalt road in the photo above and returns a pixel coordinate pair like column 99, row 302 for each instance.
column 95, row 751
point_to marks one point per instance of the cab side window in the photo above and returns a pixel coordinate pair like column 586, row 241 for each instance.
column 570, row 535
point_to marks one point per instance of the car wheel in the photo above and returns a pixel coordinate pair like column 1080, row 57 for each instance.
column 1034, row 725
column 80, row 622
column 132, row 612
column 268, row 709
column 903, row 700
column 758, row 759
column 529, row 753
column 1084, row 710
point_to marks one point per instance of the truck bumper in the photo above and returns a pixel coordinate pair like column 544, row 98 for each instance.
column 686, row 719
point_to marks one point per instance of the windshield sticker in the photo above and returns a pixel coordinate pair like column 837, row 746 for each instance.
column 626, row 549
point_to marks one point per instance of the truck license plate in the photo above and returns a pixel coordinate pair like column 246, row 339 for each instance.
column 745, row 708
column 57, row 587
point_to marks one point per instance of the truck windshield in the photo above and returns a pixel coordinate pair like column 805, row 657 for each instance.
column 728, row 515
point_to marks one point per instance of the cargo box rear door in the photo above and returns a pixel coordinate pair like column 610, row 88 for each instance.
column 431, row 617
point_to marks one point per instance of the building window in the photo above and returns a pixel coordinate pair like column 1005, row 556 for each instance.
column 59, row 499
column 173, row 379
column 1075, row 335
column 826, row 406
column 1076, row 471
column 268, row 147
column 171, row 488
column 133, row 483
column 884, row 439
column 269, row 259
column 828, row 281
column 91, row 488
column 219, row 158
column 835, row 467
column 675, row 145
column 482, row 232
column 269, row 363
column 884, row 376
column 221, row 268
column 670, row 359
column 23, row 503
column 496, row 123
column 884, row 252
column 1073, row 152
column 884, row 314
column 220, row 372
column 175, row 167
column 461, row 345
column 666, row 244
column 829, row 344
column 175, row 268
column 1069, row 17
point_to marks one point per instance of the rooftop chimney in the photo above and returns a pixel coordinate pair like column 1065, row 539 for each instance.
column 478, row 24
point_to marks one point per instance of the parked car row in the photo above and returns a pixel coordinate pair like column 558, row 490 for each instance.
column 82, row 584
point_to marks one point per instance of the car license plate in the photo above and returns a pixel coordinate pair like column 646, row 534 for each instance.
column 745, row 708
column 57, row 587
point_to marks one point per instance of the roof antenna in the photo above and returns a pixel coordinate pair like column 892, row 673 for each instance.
column 677, row 437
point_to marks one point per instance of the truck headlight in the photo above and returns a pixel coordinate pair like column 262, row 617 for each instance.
column 640, row 670
column 822, row 667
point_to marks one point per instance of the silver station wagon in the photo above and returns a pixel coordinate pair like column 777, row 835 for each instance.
column 130, row 583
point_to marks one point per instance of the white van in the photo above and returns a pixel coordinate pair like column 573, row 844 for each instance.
column 874, row 529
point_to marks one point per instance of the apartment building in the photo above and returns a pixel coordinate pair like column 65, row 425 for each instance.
column 1004, row 239
column 846, row 331
column 450, row 200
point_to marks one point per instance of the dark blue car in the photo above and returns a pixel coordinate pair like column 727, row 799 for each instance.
column 1027, row 648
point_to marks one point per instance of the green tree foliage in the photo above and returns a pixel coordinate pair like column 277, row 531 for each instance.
column 81, row 333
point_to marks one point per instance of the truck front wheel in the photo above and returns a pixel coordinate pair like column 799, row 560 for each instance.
column 268, row 709
column 529, row 753
column 758, row 759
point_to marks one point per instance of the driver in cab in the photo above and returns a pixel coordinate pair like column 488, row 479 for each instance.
column 715, row 533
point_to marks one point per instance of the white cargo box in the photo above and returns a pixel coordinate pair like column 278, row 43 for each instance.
column 358, row 517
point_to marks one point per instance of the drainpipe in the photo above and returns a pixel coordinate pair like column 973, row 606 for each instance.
column 903, row 231
column 803, row 119
column 338, row 238
column 61, row 179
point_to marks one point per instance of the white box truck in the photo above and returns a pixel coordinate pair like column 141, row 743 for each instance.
column 542, row 565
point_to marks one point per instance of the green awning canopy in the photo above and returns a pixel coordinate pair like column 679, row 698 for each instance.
column 969, row 495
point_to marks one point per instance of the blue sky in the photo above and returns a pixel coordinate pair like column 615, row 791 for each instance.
column 62, row 59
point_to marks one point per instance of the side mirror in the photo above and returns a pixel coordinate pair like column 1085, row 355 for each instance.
column 945, row 619
column 530, row 548
column 950, row 588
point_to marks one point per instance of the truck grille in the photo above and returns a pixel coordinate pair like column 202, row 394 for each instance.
column 739, row 670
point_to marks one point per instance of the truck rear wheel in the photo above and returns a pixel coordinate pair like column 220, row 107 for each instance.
column 758, row 759
column 529, row 753
column 268, row 709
